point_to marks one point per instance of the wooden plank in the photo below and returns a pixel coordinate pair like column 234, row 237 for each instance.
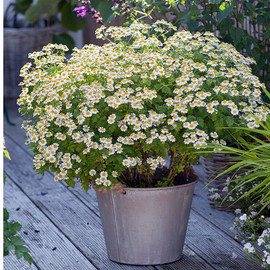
column 49, row 248
column 222, row 219
column 189, row 261
column 12, row 263
column 205, row 239
column 76, row 221
column 215, row 246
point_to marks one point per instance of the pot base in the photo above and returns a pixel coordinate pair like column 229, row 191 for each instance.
column 153, row 263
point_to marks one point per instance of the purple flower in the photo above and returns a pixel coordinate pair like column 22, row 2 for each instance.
column 82, row 11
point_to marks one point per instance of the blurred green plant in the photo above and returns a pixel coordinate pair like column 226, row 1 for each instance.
column 228, row 19
column 43, row 13
column 11, row 240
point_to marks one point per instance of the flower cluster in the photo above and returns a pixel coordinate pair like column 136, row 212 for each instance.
column 252, row 227
column 115, row 112
column 254, row 230
column 87, row 8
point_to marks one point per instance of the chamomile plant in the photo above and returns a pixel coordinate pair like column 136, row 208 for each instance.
column 134, row 110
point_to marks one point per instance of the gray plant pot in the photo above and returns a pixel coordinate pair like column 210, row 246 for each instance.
column 146, row 226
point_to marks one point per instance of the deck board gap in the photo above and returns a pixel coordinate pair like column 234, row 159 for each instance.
column 201, row 257
column 215, row 225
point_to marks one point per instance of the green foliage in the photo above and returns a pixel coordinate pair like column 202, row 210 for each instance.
column 12, row 241
column 46, row 12
column 42, row 8
column 227, row 18
column 166, row 182
column 69, row 19
column 22, row 5
column 6, row 154
column 105, row 8
column 251, row 167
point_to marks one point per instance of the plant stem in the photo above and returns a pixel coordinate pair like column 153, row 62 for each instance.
column 130, row 174
column 171, row 173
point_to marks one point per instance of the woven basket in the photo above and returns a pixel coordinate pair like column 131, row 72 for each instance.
column 213, row 167
column 18, row 42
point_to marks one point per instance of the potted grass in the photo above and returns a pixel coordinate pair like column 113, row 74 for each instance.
column 248, row 190
column 126, row 118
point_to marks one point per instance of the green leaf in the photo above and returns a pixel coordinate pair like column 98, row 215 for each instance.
column 22, row 6
column 267, row 32
column 198, row 56
column 195, row 11
column 225, row 10
column 236, row 34
column 183, row 16
column 85, row 185
column 208, row 17
column 41, row 8
column 17, row 241
column 260, row 19
column 16, row 226
column 22, row 249
column 28, row 258
column 70, row 182
column 240, row 18
column 69, row 19
column 8, row 245
column 65, row 39
column 105, row 8
column 192, row 25
column 18, row 253
column 6, row 154
column 6, row 214
column 201, row 122
column 225, row 25
column 249, row 7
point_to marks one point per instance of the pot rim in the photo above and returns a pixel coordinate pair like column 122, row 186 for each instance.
column 194, row 180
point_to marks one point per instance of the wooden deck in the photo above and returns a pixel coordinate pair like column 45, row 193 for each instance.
column 62, row 228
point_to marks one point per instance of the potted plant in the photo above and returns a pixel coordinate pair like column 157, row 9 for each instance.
column 28, row 26
column 127, row 118
column 231, row 21
column 248, row 189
